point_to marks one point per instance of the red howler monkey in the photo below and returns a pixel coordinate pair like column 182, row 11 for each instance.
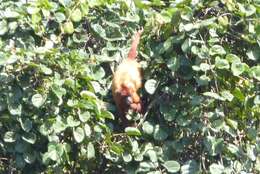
column 127, row 80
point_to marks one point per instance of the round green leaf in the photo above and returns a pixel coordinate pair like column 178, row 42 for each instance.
column 255, row 72
column 72, row 122
column 68, row 27
column 148, row 127
column 60, row 17
column 204, row 67
column 217, row 50
column 190, row 167
column 37, row 100
column 76, row 15
column 238, row 68
column 127, row 157
column 78, row 134
column 172, row 166
column 10, row 137
column 150, row 86
column 159, row 133
column 232, row 58
column 221, row 63
column 216, row 168
column 84, row 117
column 257, row 100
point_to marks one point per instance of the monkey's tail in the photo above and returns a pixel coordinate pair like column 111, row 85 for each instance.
column 135, row 41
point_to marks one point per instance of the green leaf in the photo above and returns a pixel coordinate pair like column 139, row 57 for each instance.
column 78, row 134
column 37, row 100
column 216, row 168
column 45, row 69
column 99, row 30
column 205, row 67
column 190, row 167
column 255, row 72
column 3, row 27
column 29, row 137
column 117, row 148
column 172, row 166
column 26, row 124
column 19, row 161
column 87, row 129
column 152, row 155
column 32, row 10
column 29, row 157
column 232, row 123
column 233, row 148
column 59, row 125
column 148, row 127
column 217, row 50
column 146, row 166
column 238, row 68
column 247, row 9
column 214, row 145
column 159, row 133
column 72, row 122
column 127, row 157
column 186, row 46
column 203, row 80
column 11, row 13
column 232, row 58
column 257, row 100
column 150, row 86
column 227, row 95
column 84, row 117
column 173, row 64
column 132, row 131
column 107, row 114
column 60, row 17
column 68, row 27
column 251, row 152
column 10, row 137
column 188, row 27
column 76, row 15
column 87, row 94
column 221, row 63
column 257, row 164
column 90, row 151
column 253, row 54
column 99, row 73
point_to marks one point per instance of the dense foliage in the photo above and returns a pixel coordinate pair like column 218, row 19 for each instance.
column 201, row 86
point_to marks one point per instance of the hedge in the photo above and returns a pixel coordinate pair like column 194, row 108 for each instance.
column 201, row 86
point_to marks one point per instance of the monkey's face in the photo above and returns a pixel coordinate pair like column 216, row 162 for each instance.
column 130, row 97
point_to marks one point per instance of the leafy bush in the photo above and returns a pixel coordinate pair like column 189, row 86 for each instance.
column 201, row 73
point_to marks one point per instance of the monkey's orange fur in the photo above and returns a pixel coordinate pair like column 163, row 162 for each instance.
column 127, row 80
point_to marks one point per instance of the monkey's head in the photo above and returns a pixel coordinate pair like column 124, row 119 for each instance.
column 130, row 96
